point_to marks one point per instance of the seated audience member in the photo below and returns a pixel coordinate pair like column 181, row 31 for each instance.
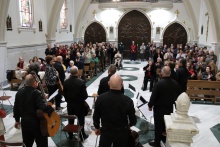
column 192, row 71
column 213, row 56
column 35, row 59
column 200, row 65
column 214, row 68
column 49, row 50
column 117, row 58
column 208, row 75
column 180, row 55
column 21, row 65
column 95, row 60
column 217, row 76
column 69, row 67
column 168, row 55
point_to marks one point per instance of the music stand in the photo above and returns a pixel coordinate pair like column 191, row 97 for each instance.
column 147, row 115
column 131, row 87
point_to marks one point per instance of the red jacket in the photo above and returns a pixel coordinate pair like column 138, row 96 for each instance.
column 133, row 48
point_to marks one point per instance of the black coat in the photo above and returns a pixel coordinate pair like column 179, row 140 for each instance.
column 182, row 77
column 59, row 67
column 114, row 109
column 104, row 87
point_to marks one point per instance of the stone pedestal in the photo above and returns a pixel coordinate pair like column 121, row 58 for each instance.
column 216, row 48
column 180, row 127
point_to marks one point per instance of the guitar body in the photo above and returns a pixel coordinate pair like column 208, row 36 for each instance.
column 49, row 124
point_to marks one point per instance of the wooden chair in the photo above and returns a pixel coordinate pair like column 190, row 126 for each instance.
column 4, row 97
column 80, row 72
column 71, row 128
column 86, row 72
column 5, row 143
column 92, row 68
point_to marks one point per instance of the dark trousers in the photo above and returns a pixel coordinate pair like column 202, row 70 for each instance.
column 142, row 57
column 146, row 78
column 31, row 132
column 79, row 111
column 58, row 97
column 159, row 123
column 117, row 138
column 133, row 56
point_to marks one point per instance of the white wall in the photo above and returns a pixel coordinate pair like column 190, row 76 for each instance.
column 158, row 17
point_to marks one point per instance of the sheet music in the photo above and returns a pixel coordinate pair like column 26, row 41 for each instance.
column 53, row 95
column 144, row 110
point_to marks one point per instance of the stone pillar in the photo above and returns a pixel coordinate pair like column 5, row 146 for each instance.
column 51, row 42
column 180, row 127
column 3, row 62
column 216, row 48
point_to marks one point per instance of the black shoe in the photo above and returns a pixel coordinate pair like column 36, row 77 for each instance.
column 70, row 137
column 153, row 143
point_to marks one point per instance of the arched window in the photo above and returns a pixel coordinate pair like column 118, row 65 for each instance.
column 26, row 13
column 63, row 16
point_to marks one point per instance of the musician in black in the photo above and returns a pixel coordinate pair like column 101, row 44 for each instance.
column 103, row 85
column 59, row 68
column 27, row 100
column 163, row 96
column 114, row 109
column 74, row 91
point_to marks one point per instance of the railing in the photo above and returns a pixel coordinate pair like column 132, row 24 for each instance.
column 152, row 1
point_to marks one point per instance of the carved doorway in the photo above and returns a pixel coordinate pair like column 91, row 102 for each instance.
column 134, row 26
column 95, row 33
column 175, row 34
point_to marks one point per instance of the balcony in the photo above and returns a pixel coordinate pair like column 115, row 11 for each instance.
column 131, row 4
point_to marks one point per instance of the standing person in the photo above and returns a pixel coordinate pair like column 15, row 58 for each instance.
column 27, row 101
column 182, row 74
column 51, row 76
column 49, row 50
column 133, row 51
column 163, row 97
column 142, row 50
column 61, row 74
column 117, row 115
column 103, row 85
column 74, row 91
column 121, row 48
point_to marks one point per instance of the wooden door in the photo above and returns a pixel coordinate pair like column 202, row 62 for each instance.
column 134, row 26
column 95, row 33
column 175, row 34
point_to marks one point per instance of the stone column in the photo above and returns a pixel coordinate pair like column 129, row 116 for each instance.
column 51, row 42
column 3, row 62
column 216, row 48
column 180, row 127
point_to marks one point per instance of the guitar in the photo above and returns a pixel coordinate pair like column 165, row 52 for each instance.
column 49, row 124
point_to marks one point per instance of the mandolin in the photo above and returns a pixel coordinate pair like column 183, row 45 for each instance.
column 49, row 124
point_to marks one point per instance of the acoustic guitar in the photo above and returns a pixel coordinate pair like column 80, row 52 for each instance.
column 49, row 124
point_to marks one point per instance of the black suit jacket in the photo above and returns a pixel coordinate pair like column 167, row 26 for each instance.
column 104, row 87
column 59, row 67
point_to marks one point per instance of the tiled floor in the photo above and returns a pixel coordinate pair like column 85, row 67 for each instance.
column 205, row 116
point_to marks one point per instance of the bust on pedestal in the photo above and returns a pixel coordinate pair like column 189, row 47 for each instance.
column 180, row 127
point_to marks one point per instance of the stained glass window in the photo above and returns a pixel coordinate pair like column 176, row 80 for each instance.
column 26, row 14
column 63, row 15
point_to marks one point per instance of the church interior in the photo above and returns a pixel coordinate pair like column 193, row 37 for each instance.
column 28, row 27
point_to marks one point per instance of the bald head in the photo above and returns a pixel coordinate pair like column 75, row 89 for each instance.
column 59, row 59
column 74, row 71
column 115, row 82
column 166, row 71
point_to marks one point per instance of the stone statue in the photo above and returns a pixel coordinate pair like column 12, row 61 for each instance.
column 8, row 23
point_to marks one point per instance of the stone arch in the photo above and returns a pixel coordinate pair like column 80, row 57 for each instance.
column 53, row 19
column 129, row 30
column 181, row 29
column 94, row 31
